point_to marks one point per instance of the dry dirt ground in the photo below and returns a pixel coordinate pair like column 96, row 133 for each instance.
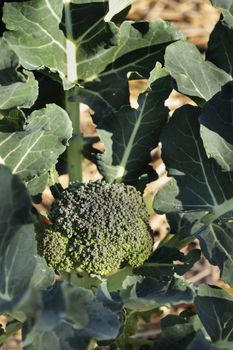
column 196, row 19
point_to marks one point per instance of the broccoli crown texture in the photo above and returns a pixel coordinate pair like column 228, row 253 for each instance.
column 53, row 245
column 99, row 227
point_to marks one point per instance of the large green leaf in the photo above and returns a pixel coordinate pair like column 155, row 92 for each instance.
column 227, row 10
column 38, row 41
column 175, row 292
column 21, row 269
column 153, row 286
column 100, row 43
column 215, row 309
column 220, row 50
column 70, row 317
column 16, row 89
column 182, row 337
column 32, row 152
column 193, row 75
column 139, row 46
column 171, row 256
column 215, row 239
column 105, row 55
column 94, row 39
column 185, row 225
column 105, row 94
column 180, row 333
column 63, row 337
column 216, row 244
column 198, row 184
column 217, row 127
column 111, row 300
column 133, row 42
column 19, row 263
column 129, row 135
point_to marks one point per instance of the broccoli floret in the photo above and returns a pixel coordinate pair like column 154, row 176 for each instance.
column 99, row 227
column 53, row 246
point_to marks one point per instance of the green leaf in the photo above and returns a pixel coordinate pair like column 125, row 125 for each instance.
column 2, row 26
column 217, row 127
column 96, row 44
column 182, row 337
column 115, row 281
column 21, row 270
column 187, row 70
column 227, row 11
column 32, row 152
column 129, row 135
column 198, row 184
column 104, row 94
column 12, row 120
column 188, row 261
column 142, row 293
column 137, row 48
column 182, row 332
column 169, row 255
column 127, row 47
column 64, row 337
column 38, row 183
column 216, row 245
column 93, row 38
column 185, row 225
column 38, row 41
column 110, row 300
column 174, row 336
column 215, row 309
column 16, row 89
column 215, row 240
column 176, row 292
column 220, row 50
column 81, row 279
column 49, row 326
column 70, row 316
column 116, row 7
column 19, row 264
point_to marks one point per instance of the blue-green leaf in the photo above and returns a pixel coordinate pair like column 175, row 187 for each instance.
column 215, row 309
column 187, row 70
column 129, row 135
column 217, row 127
column 23, row 273
column 32, row 152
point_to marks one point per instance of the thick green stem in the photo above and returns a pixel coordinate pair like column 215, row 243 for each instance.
column 73, row 109
column 76, row 143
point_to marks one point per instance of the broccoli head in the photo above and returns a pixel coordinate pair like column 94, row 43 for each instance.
column 99, row 228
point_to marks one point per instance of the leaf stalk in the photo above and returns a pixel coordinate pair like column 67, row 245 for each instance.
column 74, row 150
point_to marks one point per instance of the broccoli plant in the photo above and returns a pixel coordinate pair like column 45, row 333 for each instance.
column 97, row 227
column 81, row 278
